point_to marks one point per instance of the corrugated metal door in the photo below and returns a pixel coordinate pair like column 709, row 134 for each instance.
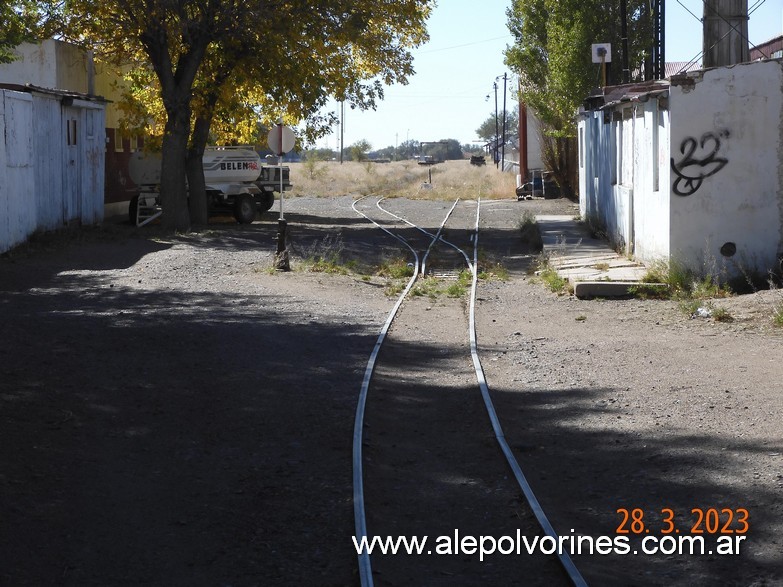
column 19, row 177
column 72, row 134
column 92, row 165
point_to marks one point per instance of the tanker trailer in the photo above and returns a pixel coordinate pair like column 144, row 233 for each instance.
column 236, row 181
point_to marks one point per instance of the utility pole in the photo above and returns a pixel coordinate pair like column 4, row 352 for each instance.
column 624, row 38
column 495, row 156
column 725, row 32
column 503, row 147
column 659, row 39
column 342, row 128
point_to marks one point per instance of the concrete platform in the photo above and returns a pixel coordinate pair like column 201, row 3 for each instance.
column 592, row 267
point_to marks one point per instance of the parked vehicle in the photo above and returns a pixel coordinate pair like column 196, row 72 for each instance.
column 538, row 188
column 236, row 180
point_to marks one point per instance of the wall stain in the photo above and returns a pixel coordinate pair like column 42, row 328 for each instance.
column 692, row 170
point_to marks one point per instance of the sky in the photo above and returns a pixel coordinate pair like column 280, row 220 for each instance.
column 452, row 92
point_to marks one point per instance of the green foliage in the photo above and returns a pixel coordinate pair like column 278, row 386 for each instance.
column 487, row 129
column 428, row 286
column 552, row 56
column 553, row 281
column 777, row 314
column 395, row 269
column 360, row 149
column 232, row 63
column 19, row 22
column 313, row 165
column 721, row 314
column 456, row 290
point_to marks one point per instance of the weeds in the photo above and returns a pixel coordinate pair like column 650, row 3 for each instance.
column 395, row 269
column 550, row 277
column 456, row 290
column 428, row 286
column 553, row 281
column 450, row 180
column 528, row 228
column 721, row 314
column 314, row 167
column 325, row 256
column 777, row 314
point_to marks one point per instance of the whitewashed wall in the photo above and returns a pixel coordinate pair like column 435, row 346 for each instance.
column 48, row 177
column 35, row 63
column 651, row 184
column 17, row 181
column 621, row 183
column 696, row 178
column 727, row 167
column 48, row 64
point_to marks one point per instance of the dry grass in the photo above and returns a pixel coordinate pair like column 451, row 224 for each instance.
column 450, row 180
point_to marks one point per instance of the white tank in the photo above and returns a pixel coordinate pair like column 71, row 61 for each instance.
column 221, row 165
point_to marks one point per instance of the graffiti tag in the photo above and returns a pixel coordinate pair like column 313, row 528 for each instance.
column 692, row 170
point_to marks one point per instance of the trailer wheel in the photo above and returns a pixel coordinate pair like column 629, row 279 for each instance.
column 265, row 201
column 244, row 208
column 133, row 209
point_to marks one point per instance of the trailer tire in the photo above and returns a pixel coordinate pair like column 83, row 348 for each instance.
column 265, row 201
column 133, row 209
column 245, row 208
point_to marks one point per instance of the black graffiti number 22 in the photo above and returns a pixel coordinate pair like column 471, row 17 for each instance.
column 691, row 171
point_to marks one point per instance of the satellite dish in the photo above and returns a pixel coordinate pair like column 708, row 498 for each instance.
column 602, row 52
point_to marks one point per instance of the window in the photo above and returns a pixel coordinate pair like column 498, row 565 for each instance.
column 70, row 130
column 119, row 147
column 89, row 124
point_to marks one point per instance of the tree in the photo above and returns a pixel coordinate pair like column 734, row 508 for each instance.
column 209, row 55
column 444, row 150
column 408, row 149
column 360, row 149
column 18, row 21
column 487, row 129
column 552, row 57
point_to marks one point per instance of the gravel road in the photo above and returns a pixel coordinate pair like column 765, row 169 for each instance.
column 172, row 412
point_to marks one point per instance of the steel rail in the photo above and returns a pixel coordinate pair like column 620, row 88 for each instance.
column 365, row 569
column 429, row 234
column 565, row 560
column 360, row 519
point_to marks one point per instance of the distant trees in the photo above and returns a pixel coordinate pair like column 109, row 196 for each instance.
column 487, row 129
column 318, row 155
column 360, row 150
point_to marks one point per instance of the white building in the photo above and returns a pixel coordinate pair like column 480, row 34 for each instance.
column 690, row 170
column 52, row 147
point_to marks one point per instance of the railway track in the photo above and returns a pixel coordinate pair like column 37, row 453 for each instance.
column 425, row 462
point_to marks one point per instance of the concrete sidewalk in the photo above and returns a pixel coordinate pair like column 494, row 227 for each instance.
column 591, row 265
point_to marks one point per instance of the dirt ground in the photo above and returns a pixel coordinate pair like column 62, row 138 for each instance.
column 172, row 412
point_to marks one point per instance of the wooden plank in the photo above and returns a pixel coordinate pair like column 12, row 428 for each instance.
column 49, row 143
column 18, row 161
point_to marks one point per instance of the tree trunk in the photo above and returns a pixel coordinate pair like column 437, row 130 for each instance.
column 176, row 83
column 173, row 190
column 199, row 212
